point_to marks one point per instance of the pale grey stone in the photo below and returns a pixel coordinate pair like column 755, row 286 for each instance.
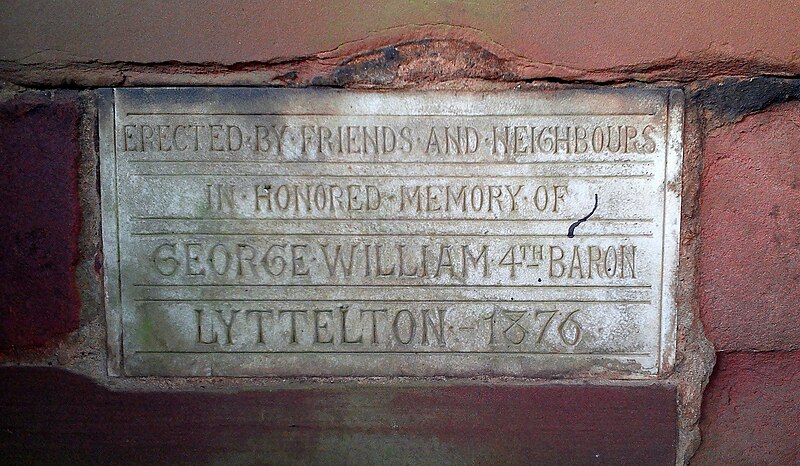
column 252, row 232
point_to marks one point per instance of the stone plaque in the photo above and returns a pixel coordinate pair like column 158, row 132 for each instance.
column 319, row 232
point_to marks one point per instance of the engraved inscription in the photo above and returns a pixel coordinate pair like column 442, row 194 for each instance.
column 258, row 232
column 358, row 138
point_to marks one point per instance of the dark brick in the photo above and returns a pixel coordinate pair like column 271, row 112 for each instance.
column 51, row 416
column 751, row 410
column 39, row 217
column 750, row 234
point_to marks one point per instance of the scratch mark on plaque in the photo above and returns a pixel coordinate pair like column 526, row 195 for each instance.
column 571, row 232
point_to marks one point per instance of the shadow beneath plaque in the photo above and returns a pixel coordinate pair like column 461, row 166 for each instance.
column 50, row 416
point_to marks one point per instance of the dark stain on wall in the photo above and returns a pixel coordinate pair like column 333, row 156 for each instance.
column 729, row 99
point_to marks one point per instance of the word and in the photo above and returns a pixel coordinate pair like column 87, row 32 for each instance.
column 356, row 139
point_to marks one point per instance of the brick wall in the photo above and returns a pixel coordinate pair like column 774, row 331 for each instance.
column 750, row 287
column 734, row 394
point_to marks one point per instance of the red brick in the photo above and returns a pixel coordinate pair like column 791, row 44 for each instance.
column 560, row 38
column 39, row 217
column 51, row 416
column 750, row 232
column 751, row 410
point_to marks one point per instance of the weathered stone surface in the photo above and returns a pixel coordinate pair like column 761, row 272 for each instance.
column 39, row 217
column 320, row 232
column 566, row 39
column 750, row 410
column 750, row 240
column 50, row 416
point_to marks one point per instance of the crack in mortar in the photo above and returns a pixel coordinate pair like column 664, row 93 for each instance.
column 303, row 70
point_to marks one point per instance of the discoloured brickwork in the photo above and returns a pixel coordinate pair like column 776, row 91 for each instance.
column 70, row 418
column 39, row 153
column 750, row 203
column 750, row 409
column 738, row 276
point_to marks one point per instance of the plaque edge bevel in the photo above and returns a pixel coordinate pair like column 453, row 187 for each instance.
column 673, row 197
column 106, row 108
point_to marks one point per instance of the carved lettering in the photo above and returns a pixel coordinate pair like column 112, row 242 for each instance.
column 335, row 232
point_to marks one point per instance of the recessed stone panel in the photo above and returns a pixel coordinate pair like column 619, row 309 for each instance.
column 256, row 232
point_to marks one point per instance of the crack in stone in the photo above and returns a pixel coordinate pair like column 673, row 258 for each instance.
column 571, row 231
